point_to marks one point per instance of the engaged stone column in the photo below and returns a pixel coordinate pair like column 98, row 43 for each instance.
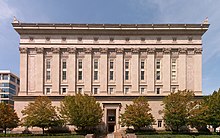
column 71, row 71
column 198, row 71
column 182, row 69
column 119, row 71
column 23, row 71
column 166, row 70
column 150, row 70
column 103, row 75
column 55, row 71
column 39, row 89
column 87, row 71
column 135, row 71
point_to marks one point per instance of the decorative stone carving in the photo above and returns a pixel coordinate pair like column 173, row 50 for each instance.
column 190, row 51
column 103, row 50
column 182, row 50
column 71, row 50
column 55, row 50
column 135, row 50
column 87, row 50
column 166, row 50
column 39, row 50
column 198, row 50
column 120, row 50
column 23, row 50
column 151, row 50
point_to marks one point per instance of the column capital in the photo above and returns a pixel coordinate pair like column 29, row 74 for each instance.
column 182, row 50
column 151, row 50
column 135, row 50
column 103, row 50
column 87, row 50
column 71, row 50
column 120, row 50
column 23, row 50
column 198, row 50
column 55, row 50
column 166, row 51
column 39, row 50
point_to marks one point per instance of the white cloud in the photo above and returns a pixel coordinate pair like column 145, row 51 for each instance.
column 6, row 11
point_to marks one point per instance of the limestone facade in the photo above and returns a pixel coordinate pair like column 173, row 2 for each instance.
column 113, row 62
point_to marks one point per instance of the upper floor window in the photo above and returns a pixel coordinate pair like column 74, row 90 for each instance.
column 158, row 69
column 95, row 69
column 5, row 77
column 80, row 73
column 12, row 78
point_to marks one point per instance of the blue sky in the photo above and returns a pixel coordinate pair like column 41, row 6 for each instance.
column 114, row 11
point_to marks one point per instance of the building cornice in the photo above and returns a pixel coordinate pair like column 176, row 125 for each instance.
column 126, row 29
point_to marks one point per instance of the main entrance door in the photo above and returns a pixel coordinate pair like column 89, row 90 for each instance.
column 111, row 120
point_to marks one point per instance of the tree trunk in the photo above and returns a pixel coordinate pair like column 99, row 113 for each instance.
column 5, row 130
column 214, row 129
column 43, row 130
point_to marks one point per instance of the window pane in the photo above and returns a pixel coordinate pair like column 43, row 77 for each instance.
column 111, row 75
column 142, row 75
column 64, row 64
column 48, row 64
column 142, row 65
column 95, row 75
column 80, row 64
column 64, row 75
column 158, row 75
column 48, row 75
column 96, row 65
column 126, row 65
column 79, row 75
column 126, row 75
column 111, row 65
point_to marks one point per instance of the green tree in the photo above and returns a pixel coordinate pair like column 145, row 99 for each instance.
column 176, row 109
column 137, row 114
column 81, row 111
column 213, row 112
column 8, row 117
column 41, row 114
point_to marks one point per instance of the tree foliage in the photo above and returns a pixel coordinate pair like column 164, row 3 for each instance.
column 213, row 110
column 176, row 109
column 137, row 114
column 41, row 114
column 81, row 111
column 8, row 117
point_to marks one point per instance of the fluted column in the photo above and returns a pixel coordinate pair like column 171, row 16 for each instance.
column 39, row 89
column 135, row 71
column 119, row 71
column 166, row 70
column 87, row 71
column 23, row 71
column 55, row 71
column 103, row 71
column 198, row 71
column 182, row 69
column 151, row 70
column 71, row 71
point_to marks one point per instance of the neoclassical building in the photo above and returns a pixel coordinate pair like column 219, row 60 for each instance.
column 115, row 63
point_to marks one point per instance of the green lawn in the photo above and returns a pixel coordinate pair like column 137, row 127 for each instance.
column 178, row 136
column 19, row 136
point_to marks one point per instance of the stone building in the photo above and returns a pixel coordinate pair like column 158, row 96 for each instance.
column 115, row 63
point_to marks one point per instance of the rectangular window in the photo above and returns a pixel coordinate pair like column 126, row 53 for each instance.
column 64, row 75
column 158, row 75
column 47, row 75
column 158, row 64
column 80, row 64
column 142, row 75
column 5, row 77
column 79, row 75
column 126, row 90
column 126, row 65
column 111, row 65
column 158, row 90
column 142, row 90
column 111, row 75
column 80, row 90
column 126, row 75
column 173, row 70
column 95, row 75
column 12, row 78
column 111, row 90
column 142, row 64
column 48, row 64
column 96, row 65
column 64, row 64
column 159, row 123
column 95, row 91
column 47, row 90
column 63, row 90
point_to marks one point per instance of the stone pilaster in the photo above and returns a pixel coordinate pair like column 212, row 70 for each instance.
column 87, row 71
column 150, row 70
column 55, row 74
column 103, row 69
column 135, row 71
column 198, row 71
column 39, row 89
column 71, row 70
column 182, row 69
column 23, row 71
column 166, row 70
column 119, row 70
